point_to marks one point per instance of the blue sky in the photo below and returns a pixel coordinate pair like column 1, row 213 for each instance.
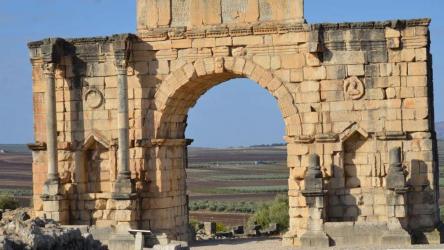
column 231, row 114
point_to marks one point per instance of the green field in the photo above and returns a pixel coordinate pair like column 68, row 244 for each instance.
column 251, row 177
column 243, row 190
column 223, row 206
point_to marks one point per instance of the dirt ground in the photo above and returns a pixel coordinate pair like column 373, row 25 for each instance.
column 241, row 244
column 15, row 170
column 276, row 244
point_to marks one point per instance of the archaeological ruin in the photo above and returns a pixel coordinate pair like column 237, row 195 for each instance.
column 357, row 100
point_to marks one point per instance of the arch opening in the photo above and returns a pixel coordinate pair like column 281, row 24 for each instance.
column 180, row 91
column 235, row 113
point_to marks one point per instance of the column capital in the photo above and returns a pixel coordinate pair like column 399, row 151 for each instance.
column 121, row 65
column 49, row 69
column 121, row 47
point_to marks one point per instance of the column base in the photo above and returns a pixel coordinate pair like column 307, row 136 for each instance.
column 291, row 239
column 396, row 238
column 157, row 239
column 123, row 189
column 56, row 207
column 121, row 240
column 52, row 187
column 315, row 240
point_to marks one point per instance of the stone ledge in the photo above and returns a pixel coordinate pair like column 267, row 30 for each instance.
column 38, row 146
column 260, row 28
column 397, row 23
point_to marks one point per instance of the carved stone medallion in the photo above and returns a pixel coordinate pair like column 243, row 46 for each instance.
column 354, row 88
column 93, row 98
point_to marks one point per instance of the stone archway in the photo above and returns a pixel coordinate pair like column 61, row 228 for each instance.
column 330, row 80
column 181, row 90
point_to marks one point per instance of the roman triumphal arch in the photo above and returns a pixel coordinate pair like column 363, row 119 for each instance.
column 357, row 101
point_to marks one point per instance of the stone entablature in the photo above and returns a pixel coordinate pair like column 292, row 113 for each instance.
column 348, row 93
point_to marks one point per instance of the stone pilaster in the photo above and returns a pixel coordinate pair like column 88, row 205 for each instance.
column 314, row 194
column 396, row 191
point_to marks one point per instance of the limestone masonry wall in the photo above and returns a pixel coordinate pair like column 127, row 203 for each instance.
column 348, row 92
column 199, row 13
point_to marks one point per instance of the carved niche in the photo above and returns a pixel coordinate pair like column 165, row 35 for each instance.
column 96, row 164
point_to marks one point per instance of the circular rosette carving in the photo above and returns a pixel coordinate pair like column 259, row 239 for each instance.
column 354, row 88
column 94, row 98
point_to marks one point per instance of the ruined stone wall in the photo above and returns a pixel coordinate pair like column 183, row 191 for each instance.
column 348, row 92
column 85, row 128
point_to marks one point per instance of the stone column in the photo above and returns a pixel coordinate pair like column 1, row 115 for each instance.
column 52, row 182
column 55, row 205
column 124, row 201
column 123, row 186
column 300, row 10
column 396, row 191
column 314, row 194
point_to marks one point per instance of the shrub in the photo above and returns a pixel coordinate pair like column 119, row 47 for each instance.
column 274, row 212
column 221, row 208
column 194, row 224
column 194, row 206
column 203, row 205
column 231, row 207
column 212, row 207
column 8, row 202
column 220, row 227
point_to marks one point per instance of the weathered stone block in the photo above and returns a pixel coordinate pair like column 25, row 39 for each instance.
column 315, row 240
column 124, row 215
column 417, row 68
column 293, row 61
column 296, row 75
column 248, row 40
column 315, row 73
column 355, row 70
column 344, row 57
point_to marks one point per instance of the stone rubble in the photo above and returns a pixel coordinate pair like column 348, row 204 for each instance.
column 19, row 230
column 207, row 231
